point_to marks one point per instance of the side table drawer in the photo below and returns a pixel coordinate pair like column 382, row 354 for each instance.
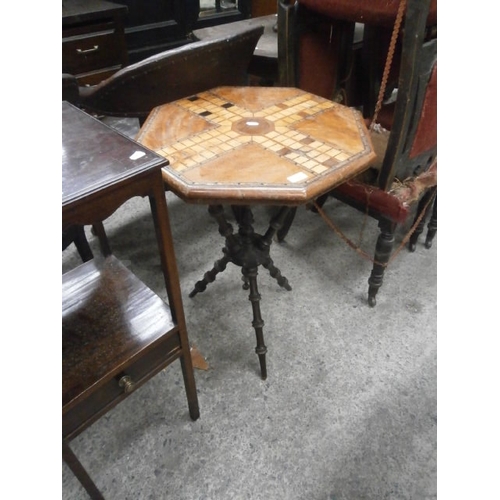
column 85, row 54
column 102, row 399
column 113, row 326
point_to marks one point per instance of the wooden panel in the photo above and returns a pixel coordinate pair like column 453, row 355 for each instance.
column 264, row 7
column 88, row 53
column 93, row 40
column 157, row 25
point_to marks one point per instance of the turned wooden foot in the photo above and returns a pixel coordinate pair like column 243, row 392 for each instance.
column 383, row 251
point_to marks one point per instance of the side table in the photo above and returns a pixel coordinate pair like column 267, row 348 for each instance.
column 116, row 333
column 245, row 146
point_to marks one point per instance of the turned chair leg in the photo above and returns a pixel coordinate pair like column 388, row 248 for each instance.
column 421, row 212
column 432, row 226
column 287, row 223
column 383, row 251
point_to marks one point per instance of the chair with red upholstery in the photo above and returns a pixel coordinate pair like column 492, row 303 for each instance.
column 406, row 172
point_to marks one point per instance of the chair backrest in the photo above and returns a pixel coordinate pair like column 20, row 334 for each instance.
column 135, row 90
column 412, row 145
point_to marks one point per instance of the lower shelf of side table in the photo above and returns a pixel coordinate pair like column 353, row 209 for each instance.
column 113, row 326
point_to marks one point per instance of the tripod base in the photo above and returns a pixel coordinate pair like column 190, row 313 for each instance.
column 248, row 250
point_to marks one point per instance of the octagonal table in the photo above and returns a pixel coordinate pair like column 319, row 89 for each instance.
column 243, row 146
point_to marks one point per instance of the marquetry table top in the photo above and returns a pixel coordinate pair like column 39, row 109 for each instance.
column 246, row 145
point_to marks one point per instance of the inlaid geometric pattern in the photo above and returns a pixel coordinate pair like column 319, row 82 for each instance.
column 245, row 139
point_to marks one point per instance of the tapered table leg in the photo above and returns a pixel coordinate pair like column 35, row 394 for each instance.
column 80, row 472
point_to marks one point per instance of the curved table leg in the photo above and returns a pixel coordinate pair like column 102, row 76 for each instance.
column 248, row 250
column 226, row 230
column 276, row 274
column 283, row 230
column 209, row 276
column 265, row 243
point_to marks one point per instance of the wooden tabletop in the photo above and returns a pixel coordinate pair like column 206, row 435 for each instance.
column 96, row 158
column 249, row 145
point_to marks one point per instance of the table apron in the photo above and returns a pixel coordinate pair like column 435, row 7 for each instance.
column 100, row 205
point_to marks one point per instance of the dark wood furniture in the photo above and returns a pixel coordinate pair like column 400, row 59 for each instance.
column 263, row 8
column 219, row 58
column 264, row 61
column 157, row 25
column 324, row 53
column 93, row 39
column 244, row 146
column 405, row 173
column 76, row 235
column 116, row 333
column 318, row 53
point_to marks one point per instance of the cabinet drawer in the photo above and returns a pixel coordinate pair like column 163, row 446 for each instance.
column 113, row 325
column 102, row 399
column 89, row 53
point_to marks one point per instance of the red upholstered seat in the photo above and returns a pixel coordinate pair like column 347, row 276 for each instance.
column 394, row 204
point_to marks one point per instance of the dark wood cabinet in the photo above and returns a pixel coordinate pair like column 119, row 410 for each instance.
column 93, row 39
column 157, row 25
column 100, row 37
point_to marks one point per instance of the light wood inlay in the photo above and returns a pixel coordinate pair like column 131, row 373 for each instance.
column 255, row 144
column 238, row 170
column 346, row 139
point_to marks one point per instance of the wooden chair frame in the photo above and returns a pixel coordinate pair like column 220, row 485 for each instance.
column 417, row 71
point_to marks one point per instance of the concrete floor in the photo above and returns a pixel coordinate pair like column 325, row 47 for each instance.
column 349, row 409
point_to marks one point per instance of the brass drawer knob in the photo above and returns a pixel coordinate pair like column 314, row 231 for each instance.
column 127, row 383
